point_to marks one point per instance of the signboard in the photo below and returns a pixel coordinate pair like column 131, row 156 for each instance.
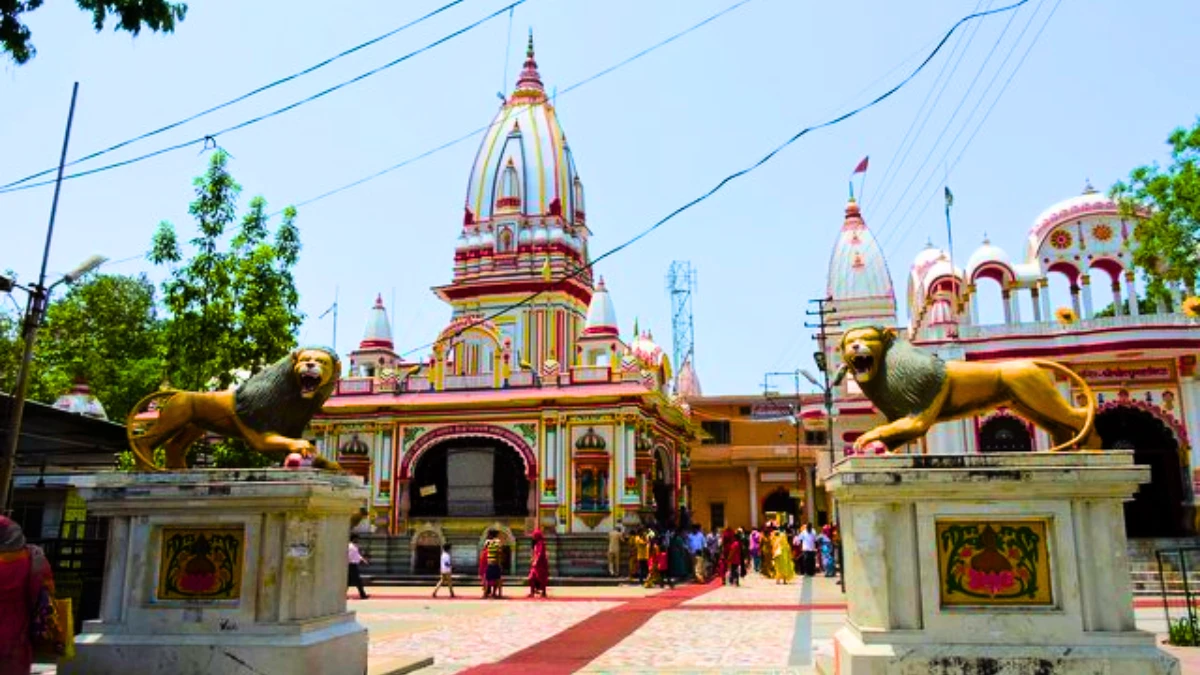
column 770, row 410
column 1126, row 373
column 428, row 490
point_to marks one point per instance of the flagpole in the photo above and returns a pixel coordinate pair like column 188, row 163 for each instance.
column 862, row 187
column 335, row 310
column 955, row 281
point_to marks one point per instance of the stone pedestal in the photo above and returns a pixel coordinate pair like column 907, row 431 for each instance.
column 223, row 572
column 1002, row 563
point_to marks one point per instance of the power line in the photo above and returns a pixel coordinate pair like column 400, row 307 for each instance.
column 211, row 138
column 991, row 106
column 898, row 160
column 954, row 115
column 238, row 99
column 486, row 127
column 725, row 181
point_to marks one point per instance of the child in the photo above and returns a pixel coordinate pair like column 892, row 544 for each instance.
column 494, row 574
column 446, row 570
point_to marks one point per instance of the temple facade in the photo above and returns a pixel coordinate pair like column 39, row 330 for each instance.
column 531, row 410
column 1139, row 360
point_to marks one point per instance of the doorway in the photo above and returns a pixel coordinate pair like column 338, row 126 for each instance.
column 1157, row 507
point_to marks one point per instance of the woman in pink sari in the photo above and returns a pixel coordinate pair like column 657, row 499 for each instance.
column 539, row 566
column 26, row 589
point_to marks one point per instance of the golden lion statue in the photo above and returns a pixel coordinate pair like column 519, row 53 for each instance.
column 915, row 389
column 269, row 411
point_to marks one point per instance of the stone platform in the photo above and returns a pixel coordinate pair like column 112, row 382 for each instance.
column 1001, row 563
column 224, row 571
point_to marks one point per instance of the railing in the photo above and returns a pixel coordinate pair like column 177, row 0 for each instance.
column 1184, row 628
column 78, row 569
column 1050, row 328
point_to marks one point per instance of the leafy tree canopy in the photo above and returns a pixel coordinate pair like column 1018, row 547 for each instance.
column 157, row 15
column 233, row 303
column 1168, row 203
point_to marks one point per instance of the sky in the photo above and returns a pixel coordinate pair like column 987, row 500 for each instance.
column 1101, row 86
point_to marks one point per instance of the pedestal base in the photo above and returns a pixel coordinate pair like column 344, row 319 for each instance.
column 313, row 648
column 853, row 657
column 224, row 571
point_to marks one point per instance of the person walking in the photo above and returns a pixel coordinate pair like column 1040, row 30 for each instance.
column 733, row 560
column 642, row 545
column 825, row 546
column 26, row 601
column 495, row 573
column 539, row 566
column 782, row 558
column 446, row 572
column 663, row 564
column 695, row 544
column 614, row 550
column 356, row 559
column 808, row 550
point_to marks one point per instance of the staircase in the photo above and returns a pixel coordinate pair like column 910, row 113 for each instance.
column 1143, row 566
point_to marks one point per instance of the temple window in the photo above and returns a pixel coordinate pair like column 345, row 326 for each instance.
column 510, row 187
column 504, row 242
column 591, row 473
column 578, row 189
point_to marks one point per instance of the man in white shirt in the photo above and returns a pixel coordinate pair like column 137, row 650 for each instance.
column 447, row 572
column 808, row 550
column 355, row 558
column 614, row 549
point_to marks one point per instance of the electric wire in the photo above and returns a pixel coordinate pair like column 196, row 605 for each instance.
column 950, row 122
column 243, row 97
column 991, row 106
column 900, row 156
column 580, row 270
column 211, row 137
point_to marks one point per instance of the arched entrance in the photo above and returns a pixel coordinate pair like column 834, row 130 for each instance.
column 1157, row 507
column 781, row 502
column 471, row 477
column 1004, row 433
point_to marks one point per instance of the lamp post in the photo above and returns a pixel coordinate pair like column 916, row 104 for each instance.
column 39, row 297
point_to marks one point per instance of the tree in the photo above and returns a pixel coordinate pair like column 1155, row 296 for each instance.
column 1166, row 203
column 132, row 15
column 233, row 304
column 104, row 331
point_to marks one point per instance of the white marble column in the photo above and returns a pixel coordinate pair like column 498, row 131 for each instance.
column 1034, row 296
column 752, row 475
column 1086, row 288
column 1006, row 301
column 1116, row 298
column 1044, row 291
column 1075, row 300
column 1131, row 294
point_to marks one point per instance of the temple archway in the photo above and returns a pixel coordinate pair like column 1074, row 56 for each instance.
column 781, row 502
column 663, row 486
column 471, row 476
column 1157, row 509
column 1004, row 433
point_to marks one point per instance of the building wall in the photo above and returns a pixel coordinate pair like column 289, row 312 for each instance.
column 727, row 486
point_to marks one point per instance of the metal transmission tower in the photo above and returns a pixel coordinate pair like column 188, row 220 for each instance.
column 681, row 283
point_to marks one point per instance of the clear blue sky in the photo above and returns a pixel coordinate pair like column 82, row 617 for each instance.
column 1097, row 95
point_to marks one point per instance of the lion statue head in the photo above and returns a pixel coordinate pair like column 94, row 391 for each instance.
column 284, row 396
column 897, row 377
column 863, row 349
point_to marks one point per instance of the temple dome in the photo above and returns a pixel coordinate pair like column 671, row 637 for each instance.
column 524, row 166
column 987, row 253
column 646, row 350
column 81, row 401
column 601, row 317
column 1090, row 203
column 857, row 267
column 378, row 333
column 688, row 382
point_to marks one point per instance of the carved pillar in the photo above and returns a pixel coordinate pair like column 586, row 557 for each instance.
column 1006, row 300
column 1086, row 286
column 1116, row 299
column 1037, row 305
column 1131, row 294
column 1044, row 289
column 1014, row 299
column 1075, row 299
column 752, row 470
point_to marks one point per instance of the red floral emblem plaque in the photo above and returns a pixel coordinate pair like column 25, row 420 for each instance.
column 994, row 562
column 201, row 563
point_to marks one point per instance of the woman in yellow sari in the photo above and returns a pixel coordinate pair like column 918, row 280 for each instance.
column 781, row 553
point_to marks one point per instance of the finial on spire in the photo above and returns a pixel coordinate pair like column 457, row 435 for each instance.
column 986, row 241
column 379, row 300
column 1087, row 187
column 529, row 49
column 529, row 83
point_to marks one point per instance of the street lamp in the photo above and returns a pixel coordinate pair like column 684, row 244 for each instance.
column 39, row 296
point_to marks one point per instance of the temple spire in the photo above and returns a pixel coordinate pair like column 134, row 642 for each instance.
column 529, row 83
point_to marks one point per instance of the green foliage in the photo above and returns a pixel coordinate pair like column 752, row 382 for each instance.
column 1168, row 201
column 1184, row 633
column 103, row 330
column 233, row 304
column 1145, row 306
column 234, row 453
column 157, row 15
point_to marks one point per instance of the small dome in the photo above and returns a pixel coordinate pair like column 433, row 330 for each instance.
column 646, row 350
column 354, row 446
column 601, row 317
column 922, row 264
column 940, row 269
column 688, row 384
column 540, row 234
column 1090, row 203
column 986, row 253
column 378, row 333
column 591, row 441
column 79, row 400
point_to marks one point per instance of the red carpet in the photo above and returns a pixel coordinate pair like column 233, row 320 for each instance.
column 578, row 645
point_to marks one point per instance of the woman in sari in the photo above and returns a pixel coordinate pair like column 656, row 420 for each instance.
column 825, row 548
column 781, row 552
column 539, row 566
column 26, row 590
column 767, row 553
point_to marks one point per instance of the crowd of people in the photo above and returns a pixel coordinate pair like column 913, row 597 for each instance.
column 774, row 551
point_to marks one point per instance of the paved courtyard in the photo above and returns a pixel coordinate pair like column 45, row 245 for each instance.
column 760, row 627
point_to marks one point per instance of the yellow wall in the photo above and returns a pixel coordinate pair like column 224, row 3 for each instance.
column 731, row 486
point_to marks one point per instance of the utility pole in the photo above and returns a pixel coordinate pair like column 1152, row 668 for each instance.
column 33, row 318
column 794, row 407
column 823, row 324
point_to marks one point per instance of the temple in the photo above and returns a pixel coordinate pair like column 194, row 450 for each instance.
column 532, row 410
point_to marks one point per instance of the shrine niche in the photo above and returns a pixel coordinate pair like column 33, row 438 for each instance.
column 354, row 456
column 591, row 461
